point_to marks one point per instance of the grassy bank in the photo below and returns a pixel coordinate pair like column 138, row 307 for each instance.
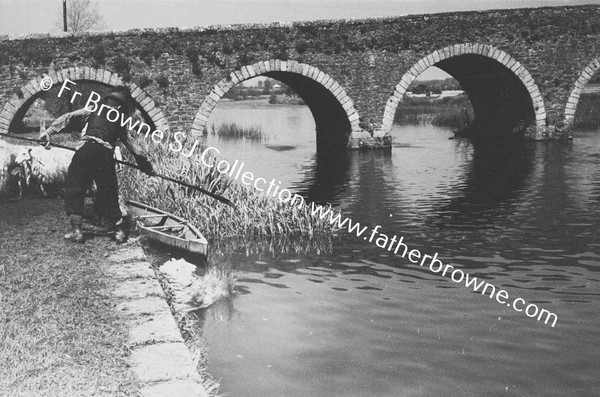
column 257, row 215
column 444, row 112
column 588, row 111
column 235, row 131
column 5, row 163
column 59, row 335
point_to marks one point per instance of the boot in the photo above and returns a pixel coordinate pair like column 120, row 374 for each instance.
column 75, row 235
column 121, row 232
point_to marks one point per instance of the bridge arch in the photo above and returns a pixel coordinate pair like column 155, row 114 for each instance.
column 588, row 72
column 15, row 109
column 491, row 78
column 333, row 110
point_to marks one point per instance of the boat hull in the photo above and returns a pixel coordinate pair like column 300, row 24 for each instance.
column 167, row 228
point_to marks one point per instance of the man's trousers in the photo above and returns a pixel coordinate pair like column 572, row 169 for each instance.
column 93, row 162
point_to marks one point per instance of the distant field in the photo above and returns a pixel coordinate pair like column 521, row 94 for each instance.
column 450, row 111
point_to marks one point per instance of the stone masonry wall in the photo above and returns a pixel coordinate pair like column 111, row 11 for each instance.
column 178, row 67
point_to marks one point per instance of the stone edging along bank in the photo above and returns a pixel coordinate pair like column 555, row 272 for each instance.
column 159, row 358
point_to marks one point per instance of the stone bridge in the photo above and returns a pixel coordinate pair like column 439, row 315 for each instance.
column 515, row 65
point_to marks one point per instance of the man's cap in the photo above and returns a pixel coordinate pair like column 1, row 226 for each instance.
column 117, row 96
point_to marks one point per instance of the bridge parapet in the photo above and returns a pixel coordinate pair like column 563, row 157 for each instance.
column 365, row 65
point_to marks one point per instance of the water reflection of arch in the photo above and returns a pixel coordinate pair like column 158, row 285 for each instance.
column 327, row 178
column 501, row 90
column 15, row 109
column 333, row 110
column 358, row 175
column 494, row 181
column 586, row 75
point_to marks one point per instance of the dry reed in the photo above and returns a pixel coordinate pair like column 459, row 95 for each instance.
column 257, row 215
column 235, row 131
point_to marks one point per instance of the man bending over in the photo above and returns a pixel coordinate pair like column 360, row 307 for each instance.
column 94, row 161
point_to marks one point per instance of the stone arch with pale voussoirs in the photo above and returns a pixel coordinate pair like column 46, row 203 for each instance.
column 326, row 98
column 467, row 49
column 586, row 75
column 31, row 91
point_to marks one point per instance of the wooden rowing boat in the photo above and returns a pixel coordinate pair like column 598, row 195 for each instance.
column 167, row 228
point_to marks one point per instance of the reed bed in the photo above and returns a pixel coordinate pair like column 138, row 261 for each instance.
column 256, row 216
column 588, row 111
column 235, row 131
column 445, row 112
column 52, row 163
column 275, row 245
column 4, row 176
column 8, row 152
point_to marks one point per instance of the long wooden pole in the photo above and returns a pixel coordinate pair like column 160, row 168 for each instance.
column 168, row 178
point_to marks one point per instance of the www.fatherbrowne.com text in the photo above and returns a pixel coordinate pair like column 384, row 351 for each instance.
column 394, row 244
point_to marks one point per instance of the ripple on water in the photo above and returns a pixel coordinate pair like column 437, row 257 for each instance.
column 360, row 321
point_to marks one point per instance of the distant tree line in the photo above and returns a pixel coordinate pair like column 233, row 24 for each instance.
column 434, row 86
column 266, row 87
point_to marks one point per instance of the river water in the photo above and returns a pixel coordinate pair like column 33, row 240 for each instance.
column 360, row 321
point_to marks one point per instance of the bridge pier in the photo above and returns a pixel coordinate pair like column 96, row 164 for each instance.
column 561, row 131
column 536, row 133
column 383, row 140
column 364, row 140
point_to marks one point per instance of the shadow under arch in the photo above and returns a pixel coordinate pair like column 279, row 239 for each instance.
column 495, row 180
column 15, row 109
column 327, row 178
column 333, row 110
column 501, row 90
column 586, row 75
